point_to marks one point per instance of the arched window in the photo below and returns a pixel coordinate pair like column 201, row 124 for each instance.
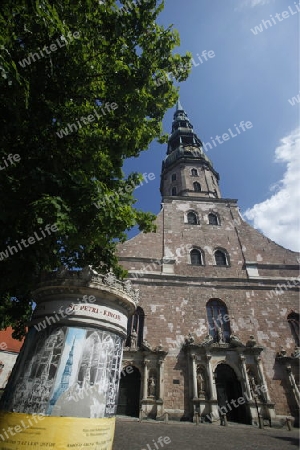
column 197, row 186
column 192, row 218
column 194, row 172
column 293, row 320
column 213, row 219
column 218, row 320
column 196, row 257
column 221, row 258
column 174, row 177
column 135, row 329
column 174, row 191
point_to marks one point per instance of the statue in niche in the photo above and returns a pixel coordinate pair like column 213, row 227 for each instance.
column 201, row 383
column 133, row 339
column 152, row 386
column 255, row 385
column 219, row 335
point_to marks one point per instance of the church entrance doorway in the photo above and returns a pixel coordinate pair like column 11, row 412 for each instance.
column 129, row 393
column 228, row 391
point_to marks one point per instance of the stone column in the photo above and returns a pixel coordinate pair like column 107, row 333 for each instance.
column 160, row 388
column 67, row 373
column 213, row 400
column 194, row 374
column 245, row 376
column 145, row 386
column 212, row 386
column 293, row 384
column 161, row 393
column 262, row 377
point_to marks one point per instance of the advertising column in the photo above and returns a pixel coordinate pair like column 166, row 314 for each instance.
column 63, row 390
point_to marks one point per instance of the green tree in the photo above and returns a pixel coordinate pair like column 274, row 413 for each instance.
column 62, row 61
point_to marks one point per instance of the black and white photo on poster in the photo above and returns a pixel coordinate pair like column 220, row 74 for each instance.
column 72, row 372
column 87, row 381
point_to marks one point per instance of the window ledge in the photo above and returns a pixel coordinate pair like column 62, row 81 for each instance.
column 227, row 265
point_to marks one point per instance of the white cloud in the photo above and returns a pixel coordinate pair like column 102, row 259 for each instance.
column 253, row 3
column 278, row 216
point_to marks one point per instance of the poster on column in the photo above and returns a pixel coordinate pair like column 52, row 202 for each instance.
column 88, row 377
column 25, row 432
column 66, row 373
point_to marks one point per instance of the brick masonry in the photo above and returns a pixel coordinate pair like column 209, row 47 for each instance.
column 174, row 295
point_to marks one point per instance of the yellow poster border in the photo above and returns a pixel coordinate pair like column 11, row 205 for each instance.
column 19, row 431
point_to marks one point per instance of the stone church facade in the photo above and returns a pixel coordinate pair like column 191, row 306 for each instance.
column 217, row 327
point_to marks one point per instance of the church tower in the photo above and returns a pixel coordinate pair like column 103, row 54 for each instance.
column 187, row 171
column 219, row 303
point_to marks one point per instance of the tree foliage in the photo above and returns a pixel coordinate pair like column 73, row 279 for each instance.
column 103, row 54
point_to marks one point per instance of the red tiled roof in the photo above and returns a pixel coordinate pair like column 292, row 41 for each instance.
column 7, row 343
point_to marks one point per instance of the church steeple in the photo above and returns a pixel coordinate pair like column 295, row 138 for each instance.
column 186, row 170
column 179, row 107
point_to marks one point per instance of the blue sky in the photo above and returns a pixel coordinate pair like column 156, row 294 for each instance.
column 252, row 77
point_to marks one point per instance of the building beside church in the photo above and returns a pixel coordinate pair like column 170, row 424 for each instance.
column 217, row 327
column 9, row 350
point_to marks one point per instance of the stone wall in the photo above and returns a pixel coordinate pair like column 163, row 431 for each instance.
column 173, row 293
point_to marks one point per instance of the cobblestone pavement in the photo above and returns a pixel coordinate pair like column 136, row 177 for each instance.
column 133, row 435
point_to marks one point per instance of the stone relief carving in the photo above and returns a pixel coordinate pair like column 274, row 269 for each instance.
column 235, row 341
column 208, row 340
column 282, row 352
column 146, row 345
column 127, row 286
column 189, row 339
column 110, row 279
column 88, row 274
column 159, row 347
column 251, row 342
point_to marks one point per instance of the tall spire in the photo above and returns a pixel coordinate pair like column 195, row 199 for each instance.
column 179, row 106
column 185, row 156
column 183, row 133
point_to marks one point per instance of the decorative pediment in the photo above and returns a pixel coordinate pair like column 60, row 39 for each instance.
column 282, row 356
column 147, row 348
column 208, row 344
